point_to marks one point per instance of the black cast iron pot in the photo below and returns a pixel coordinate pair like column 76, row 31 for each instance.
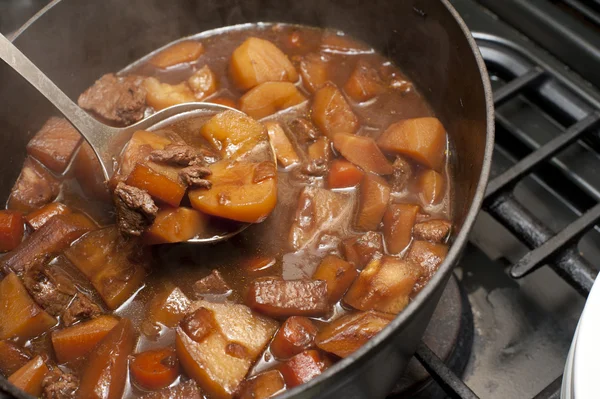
column 76, row 41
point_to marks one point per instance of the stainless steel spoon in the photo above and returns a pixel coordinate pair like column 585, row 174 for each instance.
column 107, row 141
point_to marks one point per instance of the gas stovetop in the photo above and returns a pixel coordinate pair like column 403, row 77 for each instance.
column 505, row 324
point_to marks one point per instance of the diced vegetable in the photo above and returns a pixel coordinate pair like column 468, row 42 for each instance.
column 338, row 274
column 29, row 377
column 364, row 83
column 345, row 335
column 257, row 61
column 34, row 187
column 320, row 149
column 270, row 97
column 141, row 144
column 54, row 144
column 40, row 217
column 203, row 83
column 384, row 285
column 167, row 307
column 11, row 230
column 284, row 150
column 262, row 386
column 88, row 173
column 185, row 51
column 360, row 250
column 221, row 358
column 429, row 257
column 314, row 71
column 109, row 261
column 295, row 335
column 213, row 287
column 276, row 297
column 159, row 186
column 374, row 194
column 21, row 317
column 431, row 187
column 12, row 357
column 76, row 341
column 435, row 230
column 343, row 174
column 331, row 112
column 319, row 211
column 363, row 152
column 163, row 95
column 184, row 390
column 105, row 373
column 155, row 369
column 398, row 222
column 233, row 133
column 50, row 239
column 175, row 225
column 422, row 139
column 242, row 191
column 304, row 367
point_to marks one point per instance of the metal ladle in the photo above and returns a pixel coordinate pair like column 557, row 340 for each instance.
column 107, row 141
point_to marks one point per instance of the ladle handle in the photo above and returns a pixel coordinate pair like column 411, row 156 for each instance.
column 92, row 130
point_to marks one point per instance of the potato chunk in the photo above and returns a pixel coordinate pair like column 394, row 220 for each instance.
column 343, row 174
column 233, row 133
column 105, row 373
column 257, row 61
column 262, row 386
column 431, row 187
column 363, row 152
column 295, row 335
column 320, row 149
column 159, row 186
column 203, row 83
column 175, row 225
column 40, row 217
column 314, row 71
column 29, row 377
column 398, row 222
column 12, row 357
column 242, row 191
column 11, row 230
column 21, row 317
column 73, row 342
column 347, row 334
column 338, row 274
column 284, row 150
column 422, row 139
column 331, row 112
column 219, row 359
column 364, row 83
column 270, row 97
column 283, row 298
column 166, row 308
column 179, row 53
column 429, row 256
column 34, row 188
column 163, row 95
column 112, row 263
column 304, row 367
column 55, row 144
column 384, row 285
column 374, row 194
column 360, row 250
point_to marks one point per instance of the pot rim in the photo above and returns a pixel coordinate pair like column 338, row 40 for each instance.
column 445, row 268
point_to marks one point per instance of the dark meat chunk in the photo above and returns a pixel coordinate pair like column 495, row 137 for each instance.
column 401, row 175
column 34, row 188
column 304, row 130
column 199, row 324
column 194, row 176
column 184, row 390
column 360, row 250
column 181, row 155
column 59, row 385
column 212, row 285
column 435, row 230
column 55, row 144
column 80, row 308
column 295, row 335
column 135, row 209
column 429, row 256
column 50, row 288
column 315, row 167
column 121, row 100
column 283, row 298
column 304, row 367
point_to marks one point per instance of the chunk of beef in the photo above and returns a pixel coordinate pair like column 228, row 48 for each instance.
column 314, row 167
column 34, row 188
column 80, row 308
column 121, row 100
column 304, row 130
column 401, row 174
column 194, row 176
column 212, row 285
column 360, row 250
column 435, row 230
column 184, row 390
column 50, row 288
column 135, row 209
column 58, row 384
column 181, row 155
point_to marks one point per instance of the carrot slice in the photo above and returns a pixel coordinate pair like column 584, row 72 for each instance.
column 155, row 369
